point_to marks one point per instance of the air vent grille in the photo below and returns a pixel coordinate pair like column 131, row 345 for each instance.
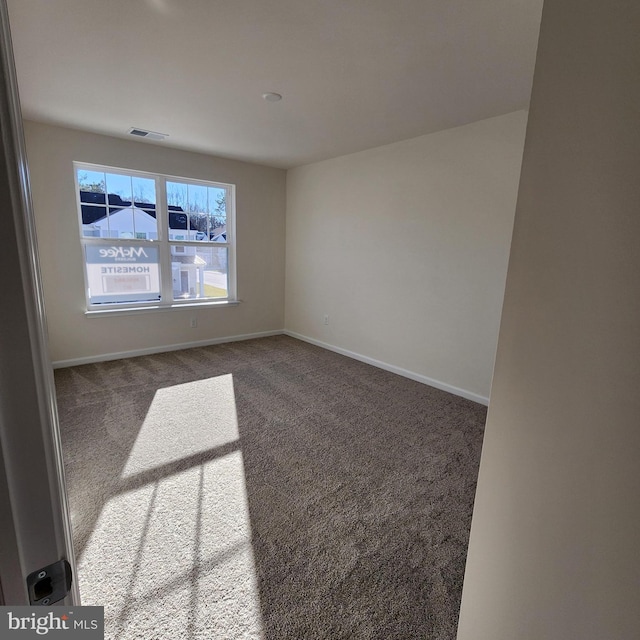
column 143, row 133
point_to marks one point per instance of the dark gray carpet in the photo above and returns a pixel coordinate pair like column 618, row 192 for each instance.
column 268, row 489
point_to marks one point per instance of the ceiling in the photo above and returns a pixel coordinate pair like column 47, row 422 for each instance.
column 354, row 74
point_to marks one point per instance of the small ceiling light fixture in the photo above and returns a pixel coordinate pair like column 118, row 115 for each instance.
column 150, row 135
column 272, row 97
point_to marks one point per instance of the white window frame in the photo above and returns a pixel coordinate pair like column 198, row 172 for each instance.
column 163, row 243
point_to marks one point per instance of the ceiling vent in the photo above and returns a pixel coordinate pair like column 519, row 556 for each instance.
column 149, row 135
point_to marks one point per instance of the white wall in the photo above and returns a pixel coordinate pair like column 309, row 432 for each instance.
column 405, row 247
column 260, row 207
column 554, row 549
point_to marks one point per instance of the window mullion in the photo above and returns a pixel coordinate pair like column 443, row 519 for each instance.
column 162, row 209
column 230, row 226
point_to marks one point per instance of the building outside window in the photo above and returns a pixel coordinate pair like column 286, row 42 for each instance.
column 151, row 240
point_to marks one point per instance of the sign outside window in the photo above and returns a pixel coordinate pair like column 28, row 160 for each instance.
column 122, row 273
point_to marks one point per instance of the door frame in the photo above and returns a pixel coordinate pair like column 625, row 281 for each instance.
column 35, row 526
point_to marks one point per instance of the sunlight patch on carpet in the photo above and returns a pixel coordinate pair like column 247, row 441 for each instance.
column 170, row 555
column 184, row 420
column 174, row 558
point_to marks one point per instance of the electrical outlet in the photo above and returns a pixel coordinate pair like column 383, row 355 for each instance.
column 325, row 319
column 193, row 323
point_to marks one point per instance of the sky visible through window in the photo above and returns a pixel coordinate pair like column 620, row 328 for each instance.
column 138, row 189
column 188, row 197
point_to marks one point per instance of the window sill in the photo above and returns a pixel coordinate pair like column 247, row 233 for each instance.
column 101, row 313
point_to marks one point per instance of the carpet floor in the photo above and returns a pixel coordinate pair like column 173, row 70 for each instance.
column 267, row 489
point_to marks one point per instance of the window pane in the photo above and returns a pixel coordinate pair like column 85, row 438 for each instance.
column 218, row 214
column 199, row 223
column 92, row 202
column 146, row 225
column 178, row 214
column 196, row 212
column 218, row 201
column 92, row 217
column 91, row 181
column 197, row 196
column 178, row 221
column 199, row 272
column 122, row 273
column 121, row 223
column 197, row 208
column 177, row 195
column 144, row 191
column 119, row 189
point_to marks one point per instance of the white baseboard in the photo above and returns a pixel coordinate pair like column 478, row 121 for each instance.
column 443, row 386
column 59, row 364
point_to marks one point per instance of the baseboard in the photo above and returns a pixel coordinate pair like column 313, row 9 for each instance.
column 443, row 386
column 59, row 364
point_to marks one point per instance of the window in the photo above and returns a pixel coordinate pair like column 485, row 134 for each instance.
column 154, row 240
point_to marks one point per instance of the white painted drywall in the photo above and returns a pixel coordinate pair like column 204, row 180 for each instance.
column 405, row 248
column 260, row 207
column 554, row 549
